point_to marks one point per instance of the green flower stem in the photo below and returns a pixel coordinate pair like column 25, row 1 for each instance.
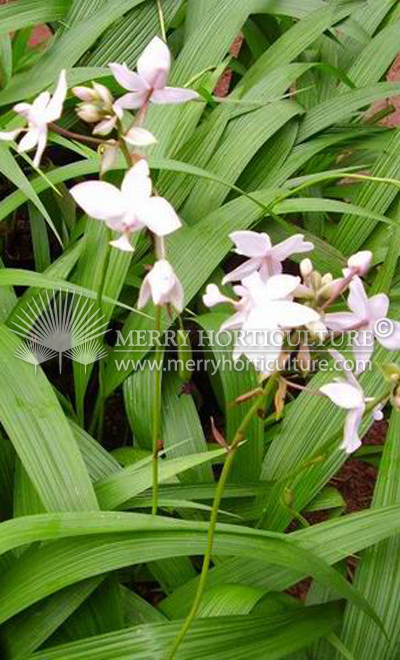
column 99, row 420
column 156, row 430
column 240, row 435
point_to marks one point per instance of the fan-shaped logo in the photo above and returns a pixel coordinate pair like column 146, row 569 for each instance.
column 57, row 325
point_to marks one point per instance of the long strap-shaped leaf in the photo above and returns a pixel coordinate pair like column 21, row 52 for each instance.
column 115, row 540
column 379, row 571
column 219, row 638
column 333, row 540
column 39, row 431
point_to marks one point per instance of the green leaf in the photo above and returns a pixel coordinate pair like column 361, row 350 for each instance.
column 214, row 638
column 378, row 571
column 10, row 169
column 24, row 583
column 24, row 13
column 343, row 107
column 64, row 53
column 133, row 480
column 38, row 429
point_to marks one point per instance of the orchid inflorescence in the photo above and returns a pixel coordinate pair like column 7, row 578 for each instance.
column 133, row 207
column 276, row 314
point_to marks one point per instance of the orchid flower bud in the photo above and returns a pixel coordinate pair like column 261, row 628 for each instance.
column 361, row 262
column 330, row 289
column 90, row 113
column 306, row 268
column 139, row 137
column 327, row 279
column 86, row 94
column 316, row 280
column 103, row 94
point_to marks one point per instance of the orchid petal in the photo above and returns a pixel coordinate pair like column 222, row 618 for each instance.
column 251, row 243
column 343, row 395
column 341, row 320
column 177, row 296
column 29, row 141
column 99, row 200
column 23, row 109
column 377, row 413
column 122, row 243
column 55, row 106
column 163, row 282
column 357, row 300
column 108, row 157
column 139, row 137
column 38, row 110
column 131, row 101
column 392, row 342
column 213, row 296
column 105, row 127
column 11, row 135
column 144, row 293
column 379, row 306
column 363, row 347
column 286, row 314
column 259, row 343
column 41, row 146
column 278, row 287
column 170, row 95
column 235, row 322
column 137, row 186
column 243, row 271
column 351, row 440
column 293, row 245
column 159, row 216
column 154, row 64
column 128, row 79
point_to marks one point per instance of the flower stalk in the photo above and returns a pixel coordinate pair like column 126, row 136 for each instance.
column 258, row 405
column 156, row 428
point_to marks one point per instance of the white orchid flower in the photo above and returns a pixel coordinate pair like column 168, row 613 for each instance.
column 273, row 312
column 44, row 110
column 162, row 285
column 264, row 312
column 367, row 320
column 149, row 83
column 263, row 256
column 348, row 394
column 250, row 292
column 130, row 209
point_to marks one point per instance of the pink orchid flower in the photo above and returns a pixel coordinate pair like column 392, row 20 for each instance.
column 367, row 320
column 162, row 285
column 149, row 83
column 263, row 256
column 348, row 394
column 130, row 209
column 44, row 110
